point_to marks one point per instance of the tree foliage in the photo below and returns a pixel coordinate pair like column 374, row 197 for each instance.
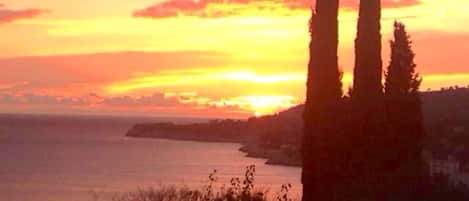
column 401, row 78
column 404, row 114
column 321, row 135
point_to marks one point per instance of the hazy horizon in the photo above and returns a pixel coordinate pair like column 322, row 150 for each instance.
column 197, row 58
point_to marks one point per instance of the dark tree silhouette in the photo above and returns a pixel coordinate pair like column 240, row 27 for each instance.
column 369, row 122
column 324, row 92
column 404, row 113
column 401, row 77
column 368, row 62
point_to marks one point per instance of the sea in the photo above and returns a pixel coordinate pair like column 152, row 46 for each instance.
column 89, row 158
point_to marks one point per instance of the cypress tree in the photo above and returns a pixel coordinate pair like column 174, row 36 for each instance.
column 368, row 102
column 324, row 92
column 404, row 114
column 368, row 62
column 401, row 78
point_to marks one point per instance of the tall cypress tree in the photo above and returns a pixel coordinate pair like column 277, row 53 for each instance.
column 401, row 78
column 368, row 102
column 368, row 62
column 404, row 113
column 324, row 92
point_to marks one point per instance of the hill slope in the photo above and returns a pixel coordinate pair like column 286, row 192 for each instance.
column 278, row 137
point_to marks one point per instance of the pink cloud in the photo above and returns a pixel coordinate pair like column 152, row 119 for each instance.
column 9, row 15
column 91, row 99
column 12, row 85
column 58, row 71
column 386, row 4
column 400, row 3
column 92, row 103
column 44, row 99
column 173, row 8
column 157, row 100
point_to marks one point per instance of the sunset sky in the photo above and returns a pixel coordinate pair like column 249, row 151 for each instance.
column 210, row 58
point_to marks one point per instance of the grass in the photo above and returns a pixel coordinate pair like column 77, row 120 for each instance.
column 243, row 189
column 237, row 190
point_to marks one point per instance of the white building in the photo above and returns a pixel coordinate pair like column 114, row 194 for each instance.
column 457, row 171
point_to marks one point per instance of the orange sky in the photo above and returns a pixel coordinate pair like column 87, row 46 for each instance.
column 232, row 58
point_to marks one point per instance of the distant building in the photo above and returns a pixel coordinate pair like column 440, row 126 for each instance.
column 458, row 129
column 463, row 158
column 456, row 167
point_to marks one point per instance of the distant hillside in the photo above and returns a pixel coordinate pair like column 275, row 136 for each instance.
column 447, row 120
column 446, row 104
column 278, row 137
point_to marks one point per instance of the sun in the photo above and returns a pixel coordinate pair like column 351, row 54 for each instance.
column 265, row 105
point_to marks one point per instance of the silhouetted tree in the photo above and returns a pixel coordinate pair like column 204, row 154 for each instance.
column 404, row 113
column 368, row 62
column 369, row 125
column 321, row 168
column 401, row 78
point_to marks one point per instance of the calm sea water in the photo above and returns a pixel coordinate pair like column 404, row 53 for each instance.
column 59, row 158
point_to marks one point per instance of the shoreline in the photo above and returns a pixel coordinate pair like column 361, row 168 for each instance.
column 251, row 150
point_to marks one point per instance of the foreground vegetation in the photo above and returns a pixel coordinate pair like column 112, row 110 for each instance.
column 243, row 189
column 238, row 190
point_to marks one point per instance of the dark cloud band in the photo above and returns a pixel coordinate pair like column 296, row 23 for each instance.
column 224, row 8
column 9, row 15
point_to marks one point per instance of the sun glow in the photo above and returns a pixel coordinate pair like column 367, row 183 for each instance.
column 262, row 105
column 259, row 105
column 198, row 77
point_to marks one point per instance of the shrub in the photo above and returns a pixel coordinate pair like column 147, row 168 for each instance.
column 237, row 190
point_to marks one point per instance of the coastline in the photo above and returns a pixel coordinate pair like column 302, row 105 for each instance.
column 273, row 156
column 156, row 131
column 251, row 149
